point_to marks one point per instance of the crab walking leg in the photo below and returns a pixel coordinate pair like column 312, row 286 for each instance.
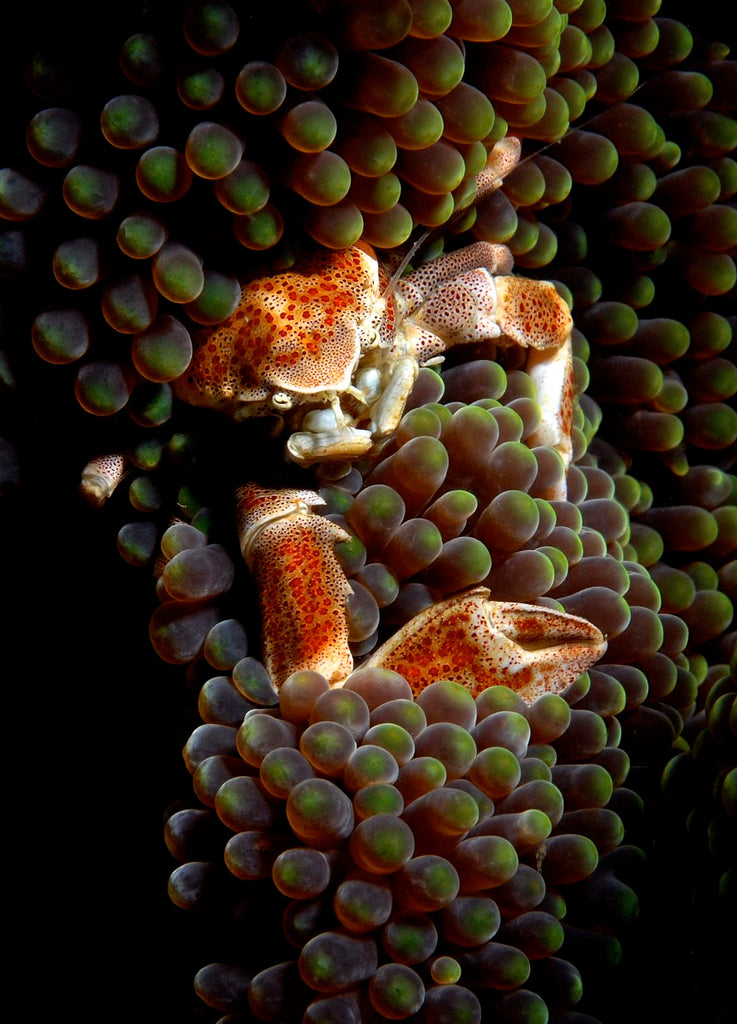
column 100, row 477
column 533, row 314
column 552, row 374
column 482, row 302
column 503, row 158
column 413, row 289
column 477, row 642
column 301, row 586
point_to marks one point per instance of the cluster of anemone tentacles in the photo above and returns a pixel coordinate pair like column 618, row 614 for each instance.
column 139, row 185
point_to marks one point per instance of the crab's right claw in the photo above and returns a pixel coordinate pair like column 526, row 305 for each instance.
column 477, row 642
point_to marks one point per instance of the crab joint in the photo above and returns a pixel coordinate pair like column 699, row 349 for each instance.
column 477, row 642
column 302, row 588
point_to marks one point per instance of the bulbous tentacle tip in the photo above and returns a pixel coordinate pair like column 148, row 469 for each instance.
column 479, row 643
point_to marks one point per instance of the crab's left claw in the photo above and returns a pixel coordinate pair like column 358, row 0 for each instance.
column 302, row 587
column 477, row 642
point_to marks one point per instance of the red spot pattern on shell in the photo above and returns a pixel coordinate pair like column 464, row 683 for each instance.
column 302, row 587
column 532, row 313
column 450, row 652
column 463, row 309
column 298, row 331
column 101, row 476
column 480, row 643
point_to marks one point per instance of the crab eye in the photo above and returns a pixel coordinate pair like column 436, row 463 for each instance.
column 368, row 382
column 281, row 400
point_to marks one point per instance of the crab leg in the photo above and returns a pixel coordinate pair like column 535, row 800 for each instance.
column 413, row 289
column 101, row 476
column 480, row 643
column 302, row 587
column 552, row 374
column 388, row 410
column 502, row 159
column 481, row 304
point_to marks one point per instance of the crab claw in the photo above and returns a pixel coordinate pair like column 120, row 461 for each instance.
column 302, row 588
column 477, row 642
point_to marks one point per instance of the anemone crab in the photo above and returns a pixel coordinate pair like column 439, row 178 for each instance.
column 333, row 346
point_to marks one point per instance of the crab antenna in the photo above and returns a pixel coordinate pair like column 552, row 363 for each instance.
column 405, row 261
column 429, row 232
